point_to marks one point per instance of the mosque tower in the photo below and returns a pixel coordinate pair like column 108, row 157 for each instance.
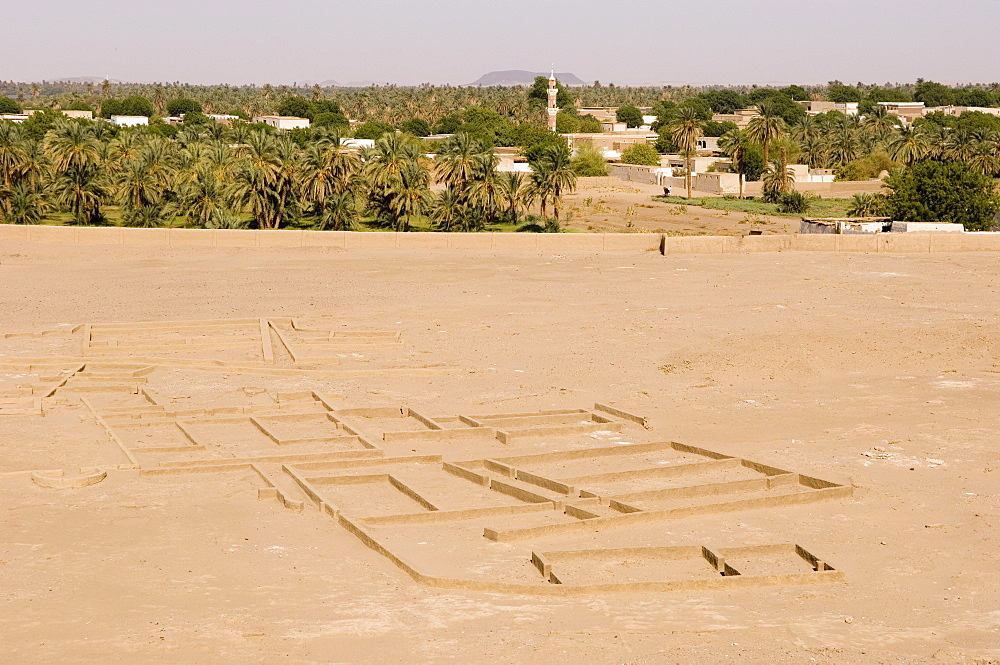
column 552, row 110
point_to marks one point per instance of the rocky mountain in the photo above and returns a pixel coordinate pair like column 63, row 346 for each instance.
column 522, row 77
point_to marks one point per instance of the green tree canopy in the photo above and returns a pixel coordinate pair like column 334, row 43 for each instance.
column 933, row 94
column 448, row 124
column 589, row 125
column 80, row 105
column 8, row 105
column 723, row 101
column 417, row 127
column 838, row 92
column 134, row 105
column 753, row 163
column 182, row 106
column 717, row 128
column 629, row 114
column 932, row 191
column 641, row 153
column 795, row 92
column 974, row 97
column 567, row 123
column 295, row 106
column 373, row 130
column 664, row 143
column 699, row 106
column 327, row 119
column 538, row 94
column 588, row 162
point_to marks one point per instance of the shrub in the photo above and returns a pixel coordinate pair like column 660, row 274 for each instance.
column 933, row 191
column 641, row 153
column 588, row 162
column 793, row 203
column 867, row 205
column 8, row 105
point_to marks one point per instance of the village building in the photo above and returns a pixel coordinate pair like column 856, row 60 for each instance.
column 283, row 121
column 814, row 108
column 741, row 117
column 129, row 120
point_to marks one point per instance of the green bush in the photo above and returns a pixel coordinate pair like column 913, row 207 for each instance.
column 793, row 202
column 589, row 162
column 641, row 153
column 942, row 192
column 8, row 105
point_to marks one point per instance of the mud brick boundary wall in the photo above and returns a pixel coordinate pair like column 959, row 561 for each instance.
column 587, row 242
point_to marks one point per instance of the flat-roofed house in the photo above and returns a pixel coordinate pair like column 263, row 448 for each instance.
column 906, row 111
column 283, row 121
column 129, row 120
column 741, row 117
column 817, row 107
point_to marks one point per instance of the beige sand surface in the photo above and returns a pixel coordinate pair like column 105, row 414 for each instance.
column 881, row 370
column 628, row 206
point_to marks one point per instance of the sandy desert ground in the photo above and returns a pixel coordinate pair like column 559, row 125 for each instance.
column 628, row 206
column 876, row 373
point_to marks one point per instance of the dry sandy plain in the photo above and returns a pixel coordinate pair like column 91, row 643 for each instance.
column 863, row 391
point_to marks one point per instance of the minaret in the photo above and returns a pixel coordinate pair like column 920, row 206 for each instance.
column 552, row 110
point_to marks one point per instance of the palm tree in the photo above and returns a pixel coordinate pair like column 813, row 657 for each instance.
column 445, row 210
column 814, row 151
column 81, row 189
column 485, row 194
column 879, row 123
column 70, row 145
column 765, row 128
column 459, row 160
column 909, row 145
column 515, row 194
column 778, row 179
column 12, row 153
column 735, row 144
column 340, row 211
column 984, row 158
column 264, row 180
column 201, row 196
column 844, row 146
column 25, row 205
column 685, row 132
column 960, row 145
column 410, row 195
column 552, row 175
column 867, row 205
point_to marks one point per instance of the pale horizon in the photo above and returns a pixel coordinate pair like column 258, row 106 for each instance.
column 773, row 42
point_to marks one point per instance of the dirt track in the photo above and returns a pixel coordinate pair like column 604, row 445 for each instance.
column 879, row 368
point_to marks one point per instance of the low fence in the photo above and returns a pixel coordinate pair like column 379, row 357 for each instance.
column 589, row 242
column 169, row 237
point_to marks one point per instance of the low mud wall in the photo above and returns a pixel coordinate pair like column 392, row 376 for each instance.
column 76, row 235
column 589, row 242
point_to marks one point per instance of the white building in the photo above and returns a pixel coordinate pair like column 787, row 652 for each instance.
column 816, row 107
column 129, row 120
column 13, row 117
column 283, row 121
column 358, row 143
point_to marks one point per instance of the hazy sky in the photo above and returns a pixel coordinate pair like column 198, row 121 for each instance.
column 455, row 41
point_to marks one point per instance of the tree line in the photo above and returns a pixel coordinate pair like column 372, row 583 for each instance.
column 250, row 176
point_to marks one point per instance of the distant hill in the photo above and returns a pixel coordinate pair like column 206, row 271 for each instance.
column 521, row 77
